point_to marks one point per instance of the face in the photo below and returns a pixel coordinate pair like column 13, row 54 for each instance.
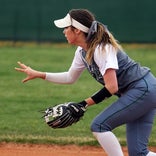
column 70, row 35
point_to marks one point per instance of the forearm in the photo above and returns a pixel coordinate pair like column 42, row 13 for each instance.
column 68, row 77
column 60, row 78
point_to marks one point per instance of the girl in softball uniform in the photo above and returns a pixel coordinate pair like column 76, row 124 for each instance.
column 102, row 56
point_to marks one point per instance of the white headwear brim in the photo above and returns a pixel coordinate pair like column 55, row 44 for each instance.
column 69, row 21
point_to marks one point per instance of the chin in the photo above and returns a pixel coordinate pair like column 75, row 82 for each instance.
column 71, row 42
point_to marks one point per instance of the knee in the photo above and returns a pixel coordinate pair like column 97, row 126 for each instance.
column 99, row 127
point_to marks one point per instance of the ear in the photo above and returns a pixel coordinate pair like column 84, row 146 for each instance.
column 77, row 31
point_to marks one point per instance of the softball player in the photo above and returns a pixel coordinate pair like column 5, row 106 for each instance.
column 103, row 57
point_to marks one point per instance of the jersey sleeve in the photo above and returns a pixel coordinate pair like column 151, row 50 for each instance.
column 107, row 59
column 77, row 63
column 71, row 75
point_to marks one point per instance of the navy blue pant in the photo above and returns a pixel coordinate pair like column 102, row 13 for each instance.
column 136, row 108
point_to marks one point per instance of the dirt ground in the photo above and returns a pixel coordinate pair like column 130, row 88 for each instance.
column 9, row 149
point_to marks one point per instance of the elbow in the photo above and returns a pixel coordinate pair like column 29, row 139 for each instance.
column 112, row 89
column 71, row 81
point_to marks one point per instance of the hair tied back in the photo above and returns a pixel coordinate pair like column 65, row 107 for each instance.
column 92, row 30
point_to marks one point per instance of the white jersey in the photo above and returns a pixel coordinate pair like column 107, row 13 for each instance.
column 104, row 59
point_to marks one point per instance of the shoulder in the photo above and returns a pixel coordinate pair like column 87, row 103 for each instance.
column 110, row 49
column 104, row 52
column 78, row 51
column 106, row 58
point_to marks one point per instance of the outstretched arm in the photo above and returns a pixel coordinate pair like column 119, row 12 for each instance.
column 68, row 77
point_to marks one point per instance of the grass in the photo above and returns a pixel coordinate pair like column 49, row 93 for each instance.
column 20, row 103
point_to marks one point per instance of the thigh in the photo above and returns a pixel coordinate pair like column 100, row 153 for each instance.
column 129, row 107
column 138, row 133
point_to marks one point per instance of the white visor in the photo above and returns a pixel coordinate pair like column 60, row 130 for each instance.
column 68, row 21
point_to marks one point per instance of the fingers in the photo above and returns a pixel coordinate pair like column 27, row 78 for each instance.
column 19, row 69
column 25, row 80
column 27, row 70
column 23, row 67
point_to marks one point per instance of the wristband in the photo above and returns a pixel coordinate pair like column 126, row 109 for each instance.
column 101, row 95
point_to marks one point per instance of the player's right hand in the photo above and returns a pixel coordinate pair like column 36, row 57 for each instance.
column 31, row 74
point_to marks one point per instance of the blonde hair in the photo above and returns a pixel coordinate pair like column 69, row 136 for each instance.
column 102, row 37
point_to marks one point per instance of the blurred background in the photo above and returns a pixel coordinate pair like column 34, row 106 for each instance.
column 29, row 21
column 32, row 20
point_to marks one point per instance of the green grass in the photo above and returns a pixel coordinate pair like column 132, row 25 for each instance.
column 20, row 119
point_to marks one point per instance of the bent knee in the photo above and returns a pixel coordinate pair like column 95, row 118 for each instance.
column 100, row 127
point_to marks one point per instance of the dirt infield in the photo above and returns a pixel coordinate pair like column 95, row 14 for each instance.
column 52, row 150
